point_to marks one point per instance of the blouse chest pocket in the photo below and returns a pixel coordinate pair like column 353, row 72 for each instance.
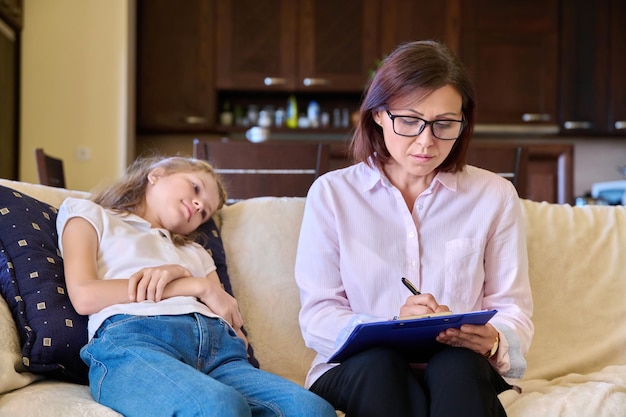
column 464, row 271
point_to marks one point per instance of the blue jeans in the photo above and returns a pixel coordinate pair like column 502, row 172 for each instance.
column 186, row 365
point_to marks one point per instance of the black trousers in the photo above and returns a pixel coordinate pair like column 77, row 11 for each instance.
column 380, row 382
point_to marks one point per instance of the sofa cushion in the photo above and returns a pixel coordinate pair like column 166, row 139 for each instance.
column 32, row 282
column 12, row 375
column 260, row 238
column 577, row 268
column 210, row 238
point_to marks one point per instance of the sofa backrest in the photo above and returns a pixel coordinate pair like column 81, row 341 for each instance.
column 577, row 258
column 577, row 266
column 50, row 195
column 260, row 238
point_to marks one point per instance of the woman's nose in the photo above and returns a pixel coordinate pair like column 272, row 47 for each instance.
column 425, row 138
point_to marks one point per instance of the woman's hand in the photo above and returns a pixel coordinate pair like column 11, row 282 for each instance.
column 417, row 305
column 149, row 283
column 479, row 338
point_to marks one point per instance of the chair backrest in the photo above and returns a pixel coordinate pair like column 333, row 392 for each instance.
column 49, row 169
column 264, row 169
column 507, row 160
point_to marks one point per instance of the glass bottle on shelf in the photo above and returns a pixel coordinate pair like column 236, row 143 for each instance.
column 292, row 112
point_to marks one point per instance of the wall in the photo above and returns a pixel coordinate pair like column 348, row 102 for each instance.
column 77, row 77
column 597, row 160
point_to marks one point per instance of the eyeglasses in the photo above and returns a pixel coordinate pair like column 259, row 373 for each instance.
column 411, row 126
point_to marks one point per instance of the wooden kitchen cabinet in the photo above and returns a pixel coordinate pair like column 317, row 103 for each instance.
column 593, row 49
column 511, row 51
column 584, row 66
column 617, row 62
column 550, row 173
column 289, row 45
column 175, row 90
column 411, row 20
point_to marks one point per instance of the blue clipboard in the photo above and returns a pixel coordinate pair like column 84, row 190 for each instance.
column 413, row 337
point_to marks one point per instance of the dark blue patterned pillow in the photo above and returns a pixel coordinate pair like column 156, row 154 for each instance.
column 33, row 284
column 209, row 237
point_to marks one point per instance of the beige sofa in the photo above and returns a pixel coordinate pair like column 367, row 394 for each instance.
column 576, row 365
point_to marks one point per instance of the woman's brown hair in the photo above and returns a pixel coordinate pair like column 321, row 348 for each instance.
column 414, row 68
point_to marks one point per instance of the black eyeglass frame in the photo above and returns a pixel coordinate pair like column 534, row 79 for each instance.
column 426, row 123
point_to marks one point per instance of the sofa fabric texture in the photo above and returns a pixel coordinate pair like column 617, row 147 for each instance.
column 576, row 363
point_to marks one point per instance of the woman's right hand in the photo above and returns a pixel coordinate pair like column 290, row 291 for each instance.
column 417, row 305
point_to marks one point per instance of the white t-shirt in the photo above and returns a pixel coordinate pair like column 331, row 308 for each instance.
column 128, row 243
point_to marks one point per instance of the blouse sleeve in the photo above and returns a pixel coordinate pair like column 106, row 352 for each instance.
column 326, row 318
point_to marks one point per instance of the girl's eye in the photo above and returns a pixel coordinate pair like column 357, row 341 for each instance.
column 195, row 187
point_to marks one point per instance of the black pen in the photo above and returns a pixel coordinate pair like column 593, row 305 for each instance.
column 410, row 286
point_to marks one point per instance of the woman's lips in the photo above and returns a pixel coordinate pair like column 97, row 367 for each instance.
column 422, row 157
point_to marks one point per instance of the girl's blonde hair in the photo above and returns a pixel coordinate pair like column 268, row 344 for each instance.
column 127, row 195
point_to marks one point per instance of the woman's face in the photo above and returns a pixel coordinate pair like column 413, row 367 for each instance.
column 419, row 156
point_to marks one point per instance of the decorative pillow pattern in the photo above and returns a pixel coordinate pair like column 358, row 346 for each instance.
column 209, row 237
column 33, row 284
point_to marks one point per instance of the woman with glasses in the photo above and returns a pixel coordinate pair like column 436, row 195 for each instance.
column 410, row 207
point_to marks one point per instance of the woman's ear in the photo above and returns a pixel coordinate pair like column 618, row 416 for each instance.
column 376, row 115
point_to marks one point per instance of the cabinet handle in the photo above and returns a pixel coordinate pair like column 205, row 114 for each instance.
column 310, row 82
column 620, row 125
column 274, row 81
column 569, row 125
column 195, row 120
column 536, row 117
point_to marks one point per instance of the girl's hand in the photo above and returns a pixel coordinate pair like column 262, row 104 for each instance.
column 149, row 283
column 417, row 305
column 242, row 336
column 479, row 338
column 223, row 304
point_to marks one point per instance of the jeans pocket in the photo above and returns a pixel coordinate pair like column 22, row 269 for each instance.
column 97, row 372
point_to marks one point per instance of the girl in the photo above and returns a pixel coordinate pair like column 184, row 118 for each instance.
column 165, row 338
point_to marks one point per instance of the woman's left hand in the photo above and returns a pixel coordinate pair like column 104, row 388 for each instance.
column 479, row 338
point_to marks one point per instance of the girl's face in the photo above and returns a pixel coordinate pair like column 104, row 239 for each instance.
column 419, row 156
column 180, row 202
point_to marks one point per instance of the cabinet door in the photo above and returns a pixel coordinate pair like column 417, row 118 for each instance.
column 510, row 49
column 256, row 44
column 617, row 102
column 338, row 44
column 413, row 20
column 585, row 66
column 174, row 66
column 550, row 173
column 9, row 100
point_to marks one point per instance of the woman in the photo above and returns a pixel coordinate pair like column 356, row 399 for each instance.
column 411, row 208
column 165, row 338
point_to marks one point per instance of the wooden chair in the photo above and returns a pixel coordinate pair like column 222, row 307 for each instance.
column 507, row 160
column 264, row 169
column 49, row 169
